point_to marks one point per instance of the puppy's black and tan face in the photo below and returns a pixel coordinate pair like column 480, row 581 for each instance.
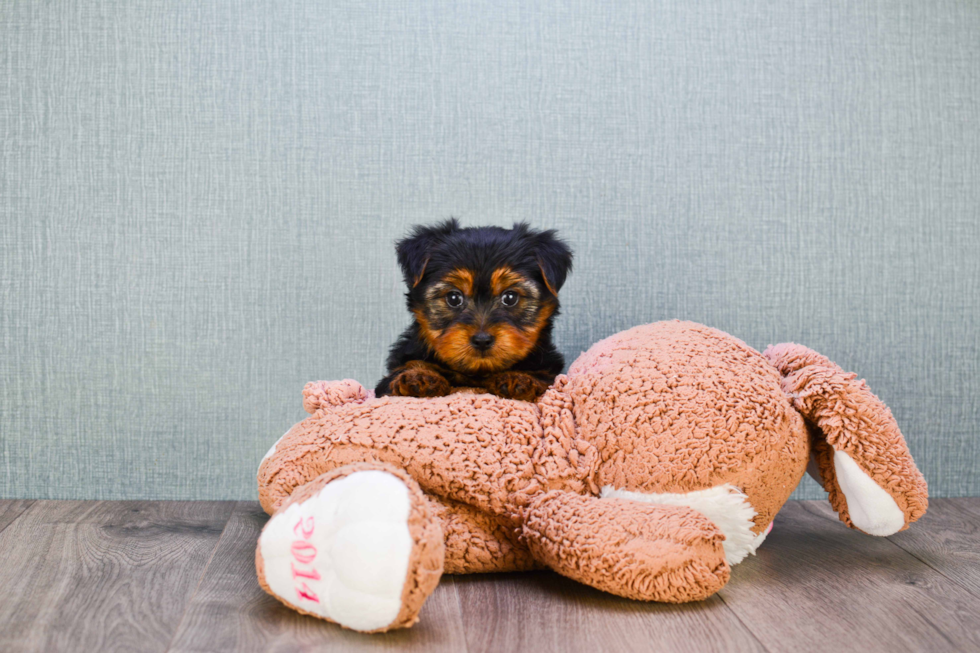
column 483, row 320
column 482, row 296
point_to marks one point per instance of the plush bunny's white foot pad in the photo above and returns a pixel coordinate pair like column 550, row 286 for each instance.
column 343, row 554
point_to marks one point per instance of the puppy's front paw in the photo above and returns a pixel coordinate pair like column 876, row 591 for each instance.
column 420, row 382
column 516, row 385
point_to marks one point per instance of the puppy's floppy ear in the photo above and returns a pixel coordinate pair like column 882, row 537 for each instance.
column 554, row 260
column 414, row 250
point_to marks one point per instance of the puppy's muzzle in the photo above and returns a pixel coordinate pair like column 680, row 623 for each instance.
column 482, row 341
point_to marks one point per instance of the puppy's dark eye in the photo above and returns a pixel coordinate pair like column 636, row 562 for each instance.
column 455, row 299
column 509, row 298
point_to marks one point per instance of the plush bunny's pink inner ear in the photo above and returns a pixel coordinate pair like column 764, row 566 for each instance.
column 870, row 506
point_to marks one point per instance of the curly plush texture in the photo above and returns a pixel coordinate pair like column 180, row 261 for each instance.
column 844, row 411
column 477, row 542
column 490, row 453
column 670, row 409
column 667, row 553
column 678, row 407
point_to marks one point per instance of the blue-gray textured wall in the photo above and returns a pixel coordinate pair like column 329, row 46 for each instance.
column 198, row 200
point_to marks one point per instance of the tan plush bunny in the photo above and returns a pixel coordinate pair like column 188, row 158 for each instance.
column 653, row 466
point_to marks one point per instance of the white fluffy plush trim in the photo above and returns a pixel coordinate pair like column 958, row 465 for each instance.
column 725, row 505
column 871, row 508
column 344, row 552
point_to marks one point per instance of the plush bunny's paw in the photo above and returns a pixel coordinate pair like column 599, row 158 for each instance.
column 324, row 394
column 356, row 547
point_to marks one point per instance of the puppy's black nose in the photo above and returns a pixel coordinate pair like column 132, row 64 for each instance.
column 482, row 340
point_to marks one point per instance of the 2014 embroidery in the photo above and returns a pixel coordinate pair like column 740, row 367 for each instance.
column 304, row 553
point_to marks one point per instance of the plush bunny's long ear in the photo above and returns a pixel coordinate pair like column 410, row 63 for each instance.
column 413, row 251
column 861, row 458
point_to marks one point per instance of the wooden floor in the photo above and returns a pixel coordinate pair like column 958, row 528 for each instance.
column 170, row 576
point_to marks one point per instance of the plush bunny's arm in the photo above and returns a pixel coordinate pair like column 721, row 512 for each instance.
column 861, row 457
column 637, row 550
column 490, row 453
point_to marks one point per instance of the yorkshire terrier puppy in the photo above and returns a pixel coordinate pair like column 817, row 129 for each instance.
column 484, row 299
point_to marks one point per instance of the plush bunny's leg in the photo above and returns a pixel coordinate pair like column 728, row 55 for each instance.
column 478, row 542
column 858, row 452
column 637, row 550
column 357, row 546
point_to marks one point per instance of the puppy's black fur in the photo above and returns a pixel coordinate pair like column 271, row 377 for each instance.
column 484, row 300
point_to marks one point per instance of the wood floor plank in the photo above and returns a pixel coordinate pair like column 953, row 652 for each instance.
column 971, row 504
column 230, row 612
column 136, row 576
column 11, row 509
column 542, row 611
column 816, row 585
column 103, row 576
column 947, row 539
